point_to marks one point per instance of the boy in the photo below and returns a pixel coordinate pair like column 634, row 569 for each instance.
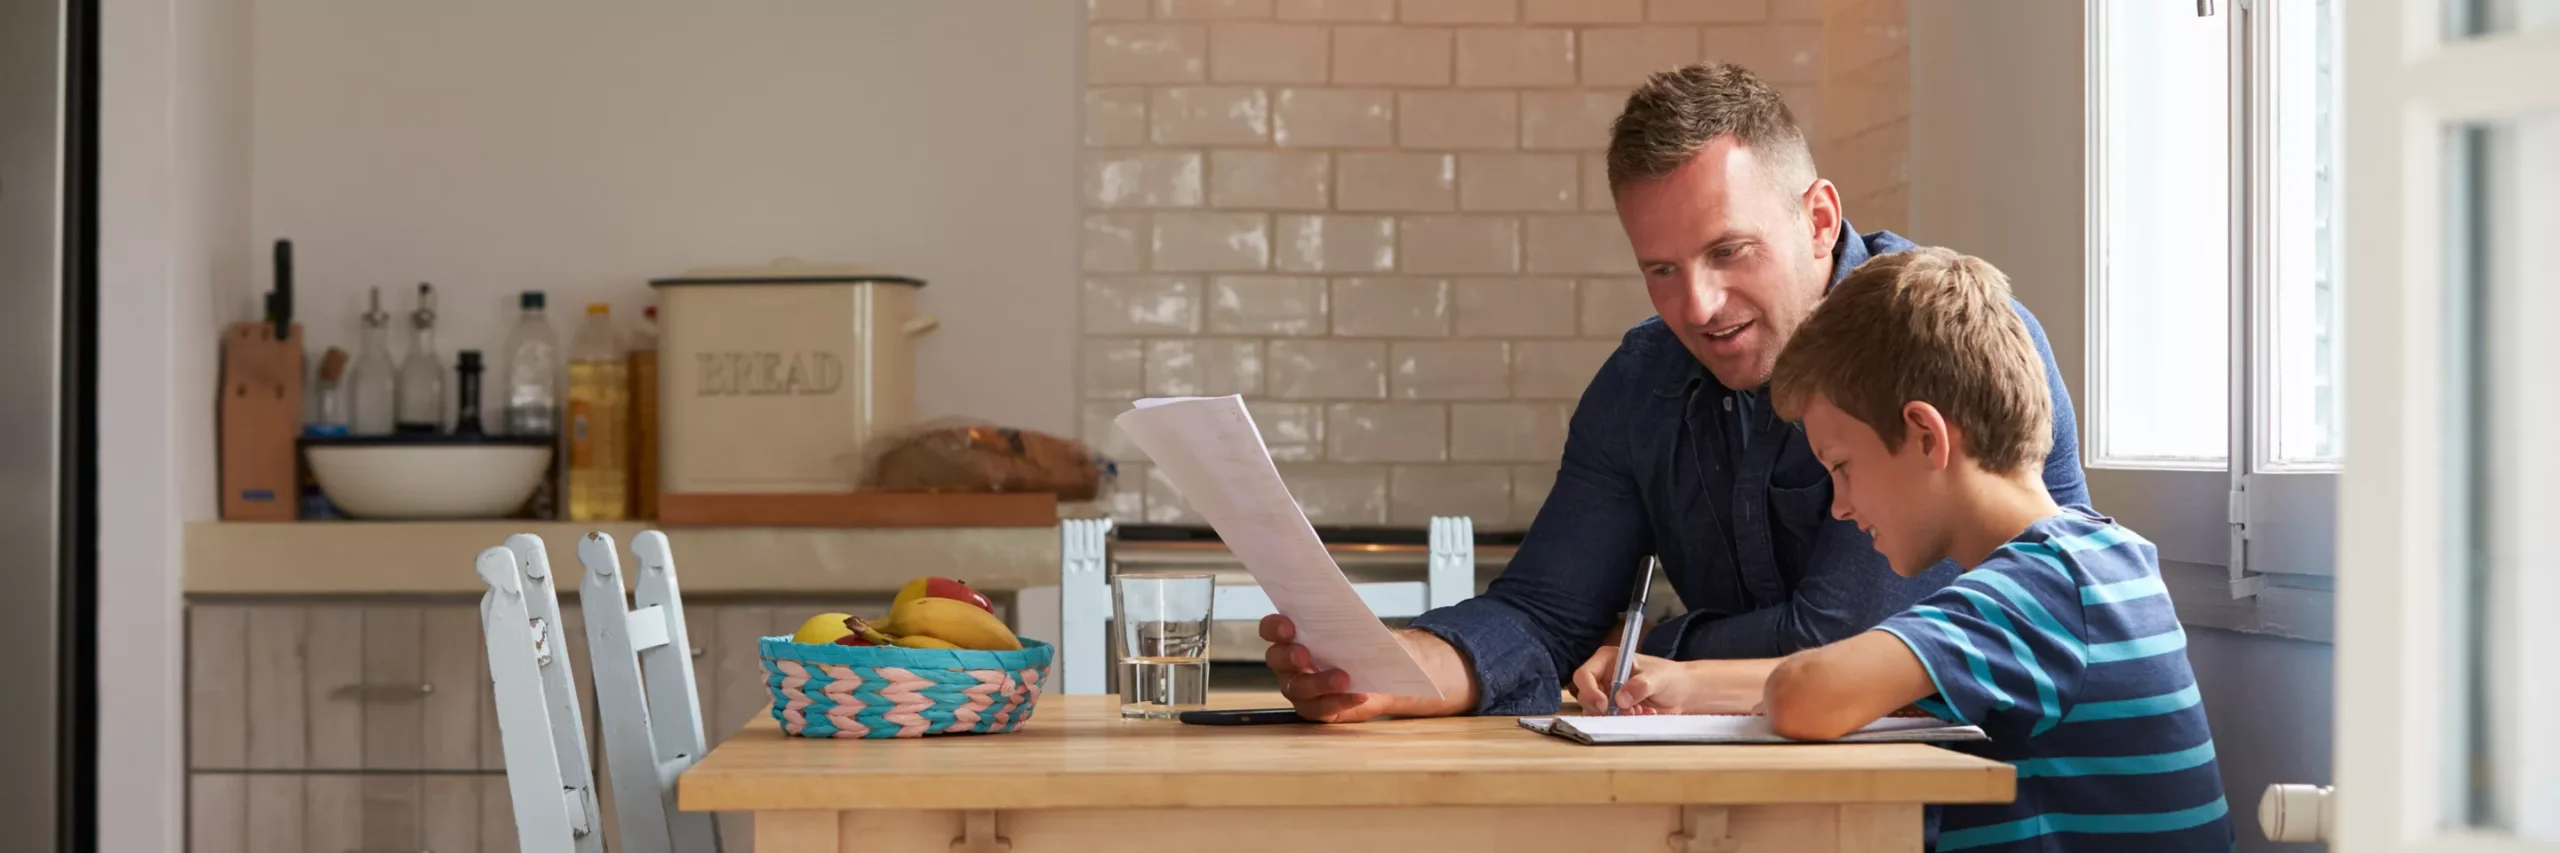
column 1920, row 391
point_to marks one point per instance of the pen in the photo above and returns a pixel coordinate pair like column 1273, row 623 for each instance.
column 1628, row 632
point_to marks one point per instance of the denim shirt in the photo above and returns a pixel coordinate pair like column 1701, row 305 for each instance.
column 1662, row 459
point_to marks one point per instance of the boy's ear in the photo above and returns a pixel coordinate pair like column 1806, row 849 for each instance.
column 1924, row 428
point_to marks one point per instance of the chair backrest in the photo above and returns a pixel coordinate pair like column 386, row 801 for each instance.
column 1084, row 594
column 548, row 778
column 643, row 665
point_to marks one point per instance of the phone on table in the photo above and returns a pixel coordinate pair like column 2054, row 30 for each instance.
column 1243, row 717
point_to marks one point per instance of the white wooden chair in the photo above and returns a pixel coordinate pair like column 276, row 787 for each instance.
column 643, row 665
column 643, row 669
column 1083, row 596
column 549, row 780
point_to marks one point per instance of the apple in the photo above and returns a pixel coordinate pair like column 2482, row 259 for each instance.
column 854, row 640
column 941, row 587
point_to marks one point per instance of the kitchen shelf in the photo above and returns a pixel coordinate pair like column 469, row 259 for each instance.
column 401, row 558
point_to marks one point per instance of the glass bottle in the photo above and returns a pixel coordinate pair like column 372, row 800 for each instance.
column 466, row 409
column 599, row 463
column 372, row 382
column 421, row 409
column 532, row 380
column 644, row 416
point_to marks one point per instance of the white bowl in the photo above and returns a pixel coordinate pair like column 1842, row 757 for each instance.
column 429, row 479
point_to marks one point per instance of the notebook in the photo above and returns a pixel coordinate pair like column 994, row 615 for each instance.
column 1723, row 728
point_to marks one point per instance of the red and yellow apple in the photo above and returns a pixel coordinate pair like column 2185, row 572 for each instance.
column 931, row 586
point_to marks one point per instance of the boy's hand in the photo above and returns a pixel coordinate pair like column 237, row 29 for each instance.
column 1654, row 685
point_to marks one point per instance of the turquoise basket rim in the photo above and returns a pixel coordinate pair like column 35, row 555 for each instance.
column 1033, row 653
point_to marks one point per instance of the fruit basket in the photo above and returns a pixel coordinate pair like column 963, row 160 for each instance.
column 842, row 691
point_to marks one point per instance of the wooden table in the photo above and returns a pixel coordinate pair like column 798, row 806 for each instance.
column 1078, row 778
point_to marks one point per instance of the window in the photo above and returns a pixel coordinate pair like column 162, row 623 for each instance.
column 2214, row 346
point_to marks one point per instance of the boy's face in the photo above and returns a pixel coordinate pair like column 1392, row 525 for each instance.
column 1888, row 493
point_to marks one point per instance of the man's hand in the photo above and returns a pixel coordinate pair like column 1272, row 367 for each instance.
column 1663, row 686
column 1324, row 695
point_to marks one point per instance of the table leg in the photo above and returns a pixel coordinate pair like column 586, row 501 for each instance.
column 797, row 832
column 1880, row 829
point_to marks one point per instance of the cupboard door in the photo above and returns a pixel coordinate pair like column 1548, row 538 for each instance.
column 332, row 814
column 452, row 814
column 392, row 693
column 454, row 657
column 333, row 664
column 279, row 733
column 276, row 803
column 217, row 813
column 393, row 811
column 217, row 687
column 497, row 816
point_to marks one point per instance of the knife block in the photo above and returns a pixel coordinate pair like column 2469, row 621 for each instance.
column 260, row 415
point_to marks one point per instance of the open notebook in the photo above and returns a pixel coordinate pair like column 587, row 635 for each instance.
column 1721, row 728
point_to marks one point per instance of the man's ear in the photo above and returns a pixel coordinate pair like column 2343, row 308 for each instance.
column 1821, row 204
column 1925, row 428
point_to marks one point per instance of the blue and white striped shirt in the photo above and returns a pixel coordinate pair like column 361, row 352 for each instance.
column 2064, row 648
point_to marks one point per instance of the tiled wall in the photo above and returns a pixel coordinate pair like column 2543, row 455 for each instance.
column 1387, row 224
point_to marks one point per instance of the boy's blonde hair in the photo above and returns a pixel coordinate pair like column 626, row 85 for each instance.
column 1930, row 325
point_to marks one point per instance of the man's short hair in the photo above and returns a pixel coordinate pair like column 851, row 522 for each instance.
column 1930, row 325
column 1676, row 113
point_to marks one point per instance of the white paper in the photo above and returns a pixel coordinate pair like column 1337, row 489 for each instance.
column 1736, row 728
column 1210, row 450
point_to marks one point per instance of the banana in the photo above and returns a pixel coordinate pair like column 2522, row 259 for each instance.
column 920, row 641
column 957, row 622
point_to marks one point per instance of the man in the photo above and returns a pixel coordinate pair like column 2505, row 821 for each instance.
column 1674, row 451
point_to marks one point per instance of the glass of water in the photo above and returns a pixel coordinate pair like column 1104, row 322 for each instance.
column 1164, row 643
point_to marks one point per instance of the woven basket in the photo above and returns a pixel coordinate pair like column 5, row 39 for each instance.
column 831, row 691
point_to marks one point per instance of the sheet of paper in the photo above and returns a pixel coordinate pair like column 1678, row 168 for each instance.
column 1722, row 728
column 1210, row 450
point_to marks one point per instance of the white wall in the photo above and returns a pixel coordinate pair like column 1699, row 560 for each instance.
column 583, row 148
column 1997, row 153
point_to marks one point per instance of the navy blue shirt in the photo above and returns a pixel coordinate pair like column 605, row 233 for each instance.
column 2064, row 648
column 1661, row 459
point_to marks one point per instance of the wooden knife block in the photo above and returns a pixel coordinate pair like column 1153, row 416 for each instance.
column 260, row 416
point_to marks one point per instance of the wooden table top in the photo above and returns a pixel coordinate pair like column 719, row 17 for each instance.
column 1078, row 753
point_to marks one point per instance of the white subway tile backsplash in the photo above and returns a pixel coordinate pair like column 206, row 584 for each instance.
column 1165, row 504
column 1141, row 305
column 1339, row 495
column 1255, row 52
column 1458, row 120
column 1270, row 180
column 1115, row 242
column 1099, row 11
column 1778, row 54
column 1571, row 121
column 1142, row 179
column 1390, row 307
column 1338, row 244
column 1126, row 499
column 1146, row 53
column 1212, row 242
column 1307, row 369
column 1337, row 10
column 1114, row 368
column 1507, row 432
column 1514, row 182
column 1267, row 305
column 1449, row 370
column 1115, row 117
column 1209, row 9
column 1709, row 11
column 1386, row 432
column 1391, row 56
column 1433, row 245
column 1458, row 11
column 1482, row 493
column 1293, row 431
column 1611, row 306
column 1626, row 56
column 1204, row 367
column 1556, row 370
column 1098, row 432
column 1334, row 118
column 1583, row 244
column 1396, row 182
column 1529, row 487
column 1583, row 11
column 1210, row 115
column 1515, row 307
column 1516, row 57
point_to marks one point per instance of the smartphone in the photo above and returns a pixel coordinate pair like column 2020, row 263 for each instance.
column 1243, row 717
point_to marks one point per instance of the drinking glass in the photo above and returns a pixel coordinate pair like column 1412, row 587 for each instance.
column 1164, row 643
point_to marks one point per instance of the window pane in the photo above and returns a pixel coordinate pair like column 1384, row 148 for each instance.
column 2163, row 294
column 2505, row 183
column 2300, row 331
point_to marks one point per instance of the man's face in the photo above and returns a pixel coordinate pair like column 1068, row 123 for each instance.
column 1890, row 494
column 1733, row 263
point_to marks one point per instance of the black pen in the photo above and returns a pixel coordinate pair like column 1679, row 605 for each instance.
column 1633, row 628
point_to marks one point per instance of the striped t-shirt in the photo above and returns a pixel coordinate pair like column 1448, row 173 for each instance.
column 2063, row 647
